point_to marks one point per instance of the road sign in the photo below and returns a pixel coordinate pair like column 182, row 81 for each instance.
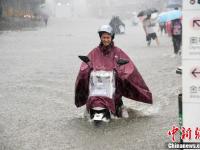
column 191, row 34
column 196, row 72
column 191, row 81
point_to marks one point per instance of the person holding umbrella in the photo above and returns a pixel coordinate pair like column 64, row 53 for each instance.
column 173, row 18
column 176, row 27
column 149, row 25
column 176, row 31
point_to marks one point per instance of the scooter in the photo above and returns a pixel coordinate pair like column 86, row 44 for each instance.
column 102, row 90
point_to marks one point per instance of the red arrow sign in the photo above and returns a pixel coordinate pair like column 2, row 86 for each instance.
column 192, row 2
column 196, row 73
column 196, row 23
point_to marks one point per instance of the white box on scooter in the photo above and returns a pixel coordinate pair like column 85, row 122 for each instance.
column 102, row 83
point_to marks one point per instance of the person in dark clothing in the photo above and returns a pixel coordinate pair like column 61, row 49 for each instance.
column 115, row 23
column 149, row 28
column 45, row 18
column 176, row 30
column 162, row 28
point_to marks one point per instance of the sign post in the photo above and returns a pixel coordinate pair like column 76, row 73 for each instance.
column 191, row 66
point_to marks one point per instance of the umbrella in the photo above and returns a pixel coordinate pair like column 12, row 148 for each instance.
column 162, row 17
column 147, row 12
column 152, row 10
column 141, row 13
column 170, row 15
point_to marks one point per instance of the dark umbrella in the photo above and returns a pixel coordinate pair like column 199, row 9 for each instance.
column 151, row 11
column 147, row 12
column 141, row 13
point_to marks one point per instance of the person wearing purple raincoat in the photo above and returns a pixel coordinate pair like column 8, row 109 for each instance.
column 130, row 83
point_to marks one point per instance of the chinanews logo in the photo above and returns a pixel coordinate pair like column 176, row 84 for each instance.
column 193, row 2
column 185, row 134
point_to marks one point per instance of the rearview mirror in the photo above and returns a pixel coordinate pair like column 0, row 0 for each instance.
column 84, row 59
column 121, row 62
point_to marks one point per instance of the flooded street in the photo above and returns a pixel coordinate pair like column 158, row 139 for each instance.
column 38, row 69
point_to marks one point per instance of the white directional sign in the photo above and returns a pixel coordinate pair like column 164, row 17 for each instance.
column 191, row 81
column 191, row 34
column 191, row 65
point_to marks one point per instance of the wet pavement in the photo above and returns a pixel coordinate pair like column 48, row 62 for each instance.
column 37, row 74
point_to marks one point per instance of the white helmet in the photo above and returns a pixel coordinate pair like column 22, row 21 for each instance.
column 106, row 28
